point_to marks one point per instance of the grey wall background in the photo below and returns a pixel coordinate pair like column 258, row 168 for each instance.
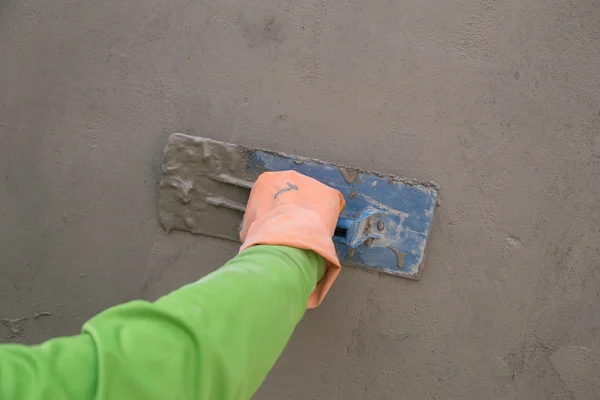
column 498, row 102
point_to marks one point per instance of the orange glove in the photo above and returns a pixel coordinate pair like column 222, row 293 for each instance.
column 290, row 209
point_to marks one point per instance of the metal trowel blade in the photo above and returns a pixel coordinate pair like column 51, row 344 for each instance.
column 383, row 227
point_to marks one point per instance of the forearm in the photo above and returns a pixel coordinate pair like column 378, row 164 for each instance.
column 213, row 339
column 62, row 368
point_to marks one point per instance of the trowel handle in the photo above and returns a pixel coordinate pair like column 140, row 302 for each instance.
column 343, row 228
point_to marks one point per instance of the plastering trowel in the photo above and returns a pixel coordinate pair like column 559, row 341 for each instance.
column 383, row 227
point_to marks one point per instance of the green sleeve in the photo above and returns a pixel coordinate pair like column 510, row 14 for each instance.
column 213, row 339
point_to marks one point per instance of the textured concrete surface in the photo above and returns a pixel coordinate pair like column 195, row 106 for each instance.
column 498, row 102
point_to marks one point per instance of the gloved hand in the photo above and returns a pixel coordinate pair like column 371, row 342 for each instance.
column 290, row 209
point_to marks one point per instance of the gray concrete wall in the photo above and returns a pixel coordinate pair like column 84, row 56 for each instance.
column 498, row 102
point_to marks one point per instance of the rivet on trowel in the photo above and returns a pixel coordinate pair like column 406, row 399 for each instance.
column 368, row 242
column 380, row 225
column 350, row 253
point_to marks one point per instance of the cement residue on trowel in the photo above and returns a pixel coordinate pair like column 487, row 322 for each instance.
column 189, row 163
column 350, row 175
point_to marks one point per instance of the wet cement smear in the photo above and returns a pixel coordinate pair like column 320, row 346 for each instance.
column 350, row 175
column 399, row 257
column 193, row 194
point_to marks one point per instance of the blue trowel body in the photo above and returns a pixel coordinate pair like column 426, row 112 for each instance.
column 384, row 225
